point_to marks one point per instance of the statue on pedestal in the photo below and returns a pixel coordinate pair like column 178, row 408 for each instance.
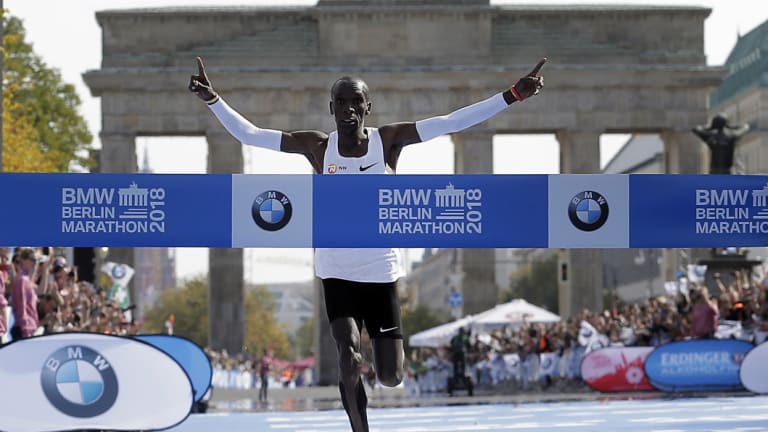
column 721, row 138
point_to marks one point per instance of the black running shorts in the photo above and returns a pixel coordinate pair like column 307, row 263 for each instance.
column 371, row 304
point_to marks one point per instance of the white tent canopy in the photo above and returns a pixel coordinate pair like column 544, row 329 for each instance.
column 440, row 335
column 507, row 314
column 512, row 314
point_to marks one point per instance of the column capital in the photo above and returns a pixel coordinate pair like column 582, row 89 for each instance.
column 564, row 134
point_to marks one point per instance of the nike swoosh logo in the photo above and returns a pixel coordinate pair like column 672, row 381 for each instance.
column 383, row 330
column 365, row 168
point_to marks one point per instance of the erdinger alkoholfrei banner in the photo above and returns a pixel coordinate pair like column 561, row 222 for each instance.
column 463, row 211
column 77, row 381
column 697, row 365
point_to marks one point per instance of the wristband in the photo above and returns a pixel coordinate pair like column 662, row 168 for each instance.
column 515, row 93
column 214, row 100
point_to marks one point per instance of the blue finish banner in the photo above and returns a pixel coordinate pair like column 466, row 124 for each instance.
column 698, row 210
column 463, row 211
column 136, row 210
column 474, row 211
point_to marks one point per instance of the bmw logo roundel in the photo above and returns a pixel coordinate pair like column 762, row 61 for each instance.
column 79, row 381
column 588, row 210
column 118, row 271
column 271, row 210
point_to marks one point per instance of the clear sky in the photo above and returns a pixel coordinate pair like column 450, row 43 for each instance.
column 65, row 33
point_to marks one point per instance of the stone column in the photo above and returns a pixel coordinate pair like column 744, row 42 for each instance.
column 474, row 155
column 581, row 270
column 118, row 155
column 226, row 306
column 684, row 153
column 323, row 345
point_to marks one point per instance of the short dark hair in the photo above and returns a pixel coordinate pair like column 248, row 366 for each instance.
column 351, row 80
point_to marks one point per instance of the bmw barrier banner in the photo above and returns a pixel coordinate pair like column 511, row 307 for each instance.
column 616, row 369
column 189, row 355
column 272, row 210
column 699, row 211
column 754, row 373
column 697, row 365
column 117, row 210
column 76, row 381
column 474, row 211
column 589, row 211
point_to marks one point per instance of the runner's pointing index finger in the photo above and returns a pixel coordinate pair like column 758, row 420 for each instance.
column 538, row 66
column 200, row 68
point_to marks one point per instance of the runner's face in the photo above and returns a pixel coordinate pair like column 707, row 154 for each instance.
column 349, row 106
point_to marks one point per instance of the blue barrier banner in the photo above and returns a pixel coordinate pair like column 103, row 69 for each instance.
column 463, row 211
column 474, row 211
column 698, row 210
column 90, row 381
column 116, row 210
column 697, row 365
column 190, row 357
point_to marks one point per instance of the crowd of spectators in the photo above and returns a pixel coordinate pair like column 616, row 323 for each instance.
column 242, row 371
column 540, row 355
column 40, row 294
column 46, row 296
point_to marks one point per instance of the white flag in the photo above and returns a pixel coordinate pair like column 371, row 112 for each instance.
column 76, row 381
column 590, row 338
column 671, row 287
column 121, row 275
column 696, row 273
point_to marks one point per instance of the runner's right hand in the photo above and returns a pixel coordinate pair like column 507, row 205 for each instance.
column 200, row 85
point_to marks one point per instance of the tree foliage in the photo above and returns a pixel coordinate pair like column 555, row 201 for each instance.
column 36, row 99
column 536, row 283
column 261, row 328
column 20, row 150
column 304, row 339
column 189, row 306
column 421, row 318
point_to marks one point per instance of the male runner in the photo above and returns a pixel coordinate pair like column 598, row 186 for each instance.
column 360, row 284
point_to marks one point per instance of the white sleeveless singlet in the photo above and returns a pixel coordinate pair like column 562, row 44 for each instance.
column 358, row 264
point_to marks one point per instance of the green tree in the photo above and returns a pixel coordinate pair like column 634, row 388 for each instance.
column 304, row 339
column 20, row 150
column 39, row 97
column 536, row 283
column 189, row 306
column 261, row 328
column 421, row 318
